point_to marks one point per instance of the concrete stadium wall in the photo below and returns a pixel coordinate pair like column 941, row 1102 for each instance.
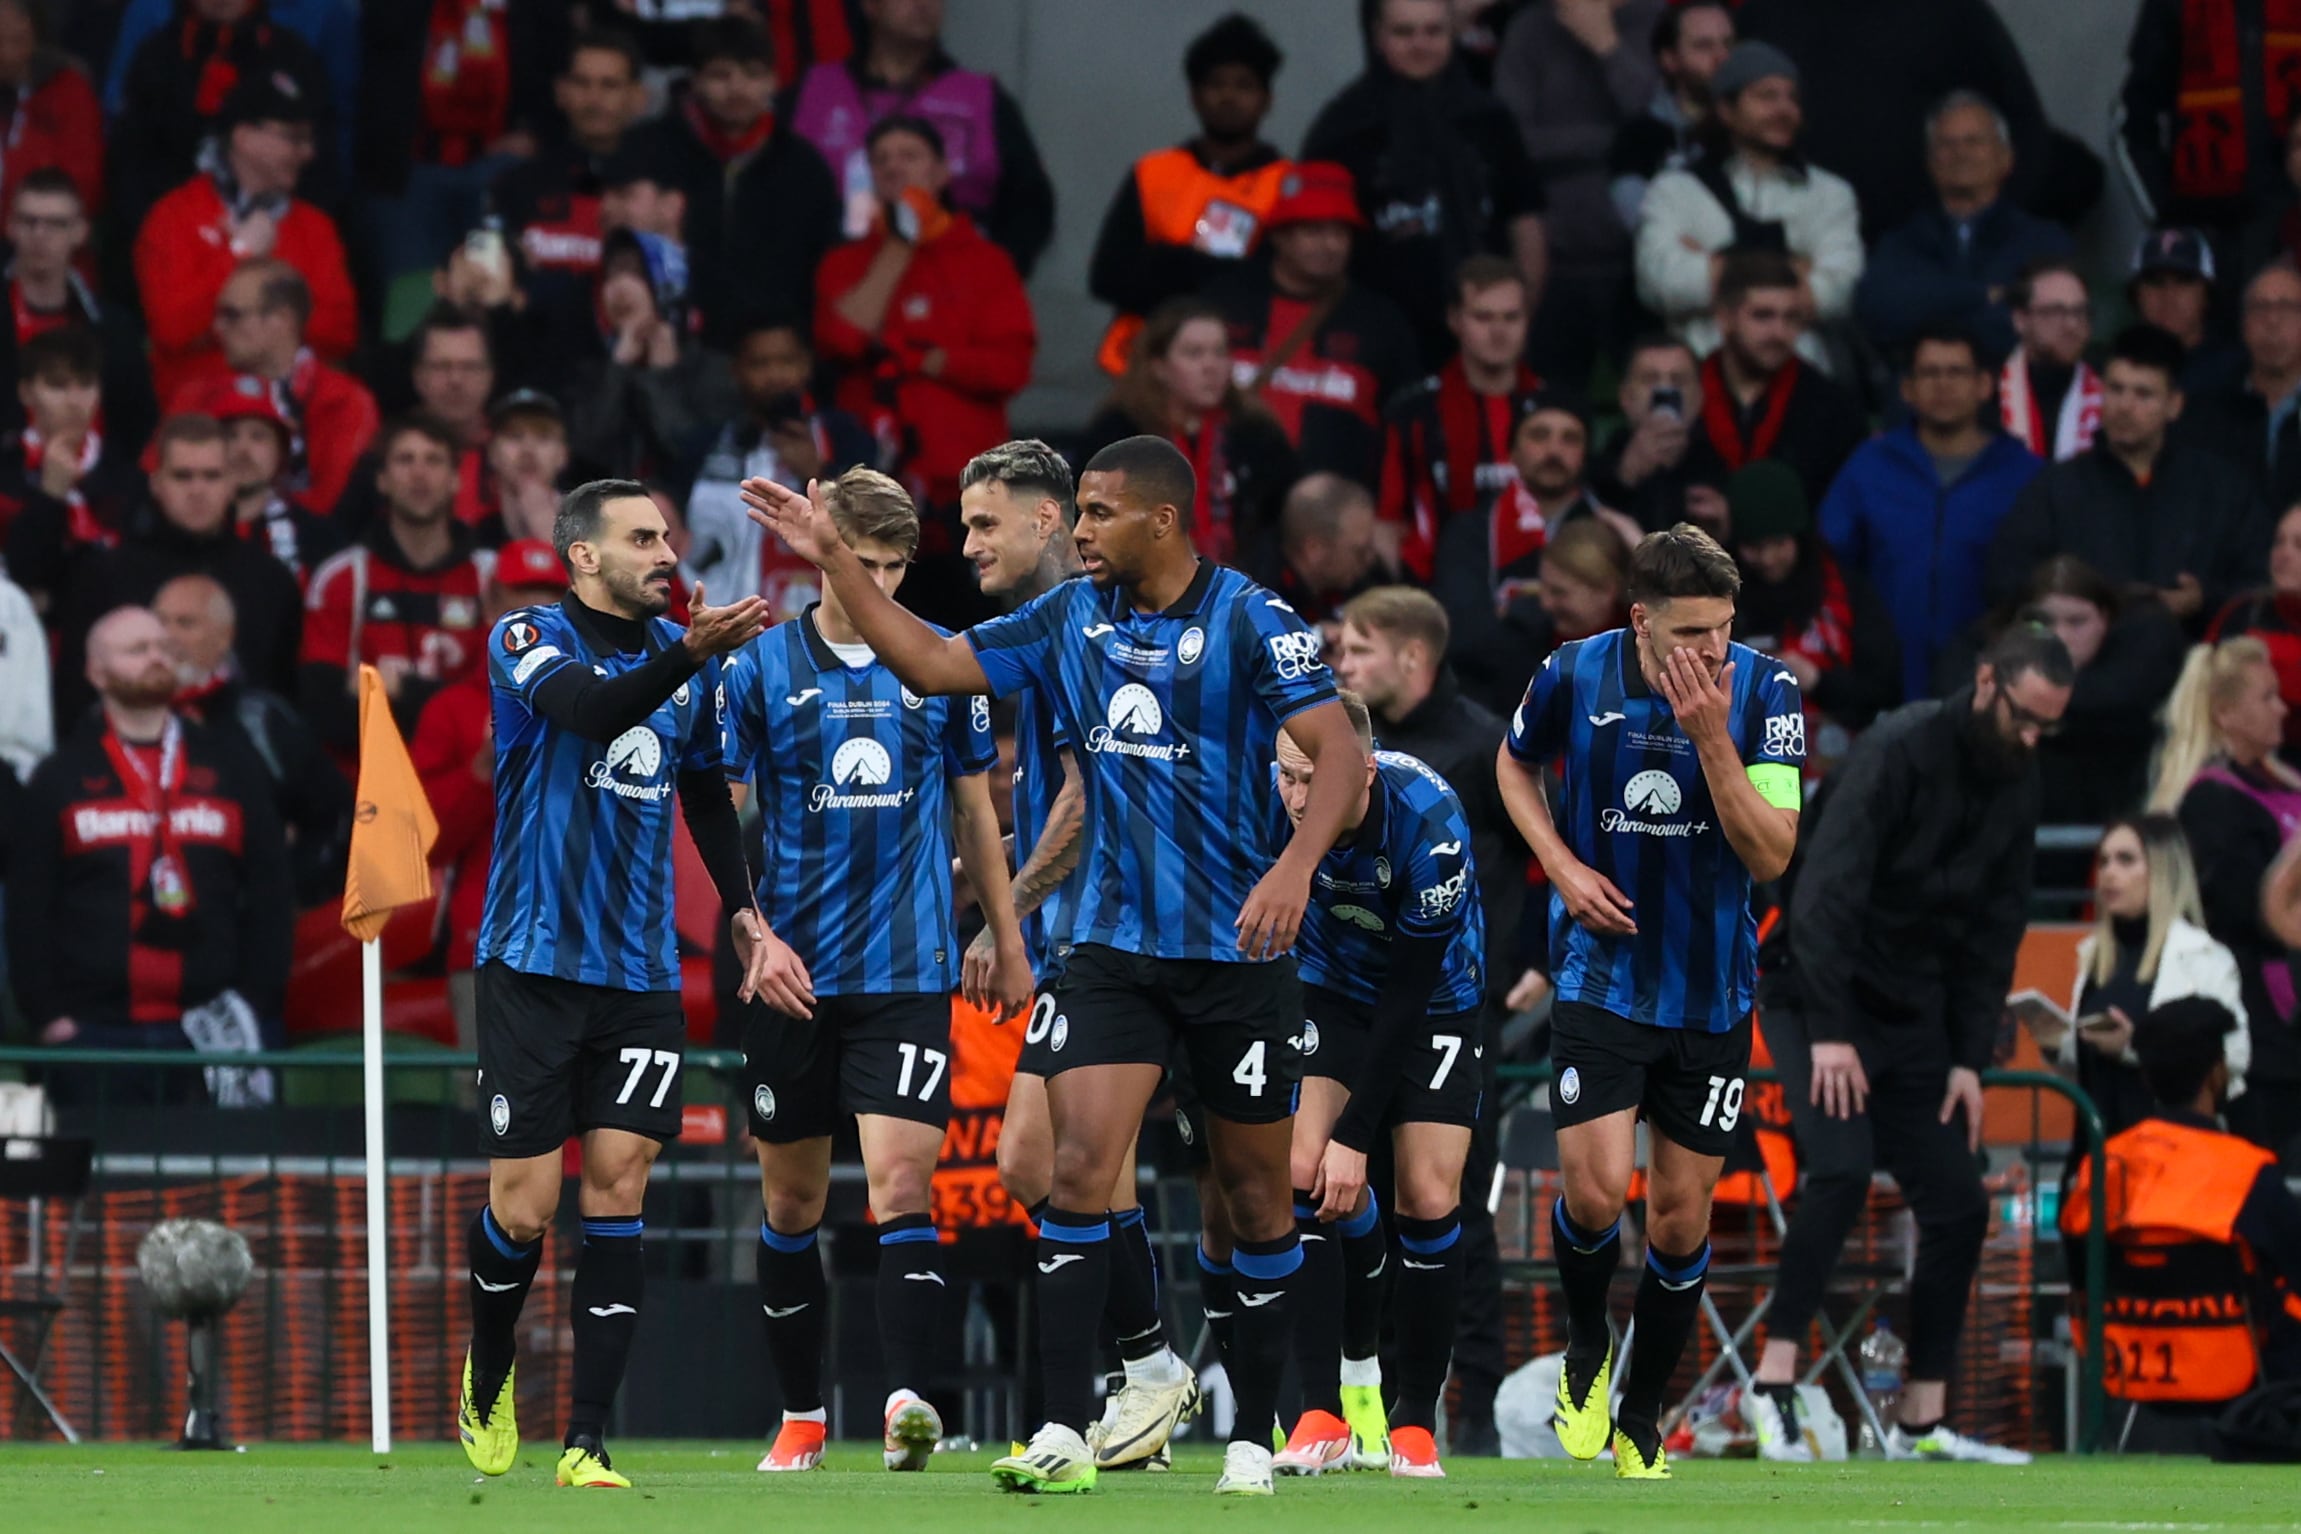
column 1101, row 81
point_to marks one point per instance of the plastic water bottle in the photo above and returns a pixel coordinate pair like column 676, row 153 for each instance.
column 1884, row 1363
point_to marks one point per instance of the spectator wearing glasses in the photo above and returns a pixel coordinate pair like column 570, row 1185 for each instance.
column 2048, row 395
column 2150, row 513
column 2257, row 424
column 1958, row 260
column 241, row 207
column 2237, row 802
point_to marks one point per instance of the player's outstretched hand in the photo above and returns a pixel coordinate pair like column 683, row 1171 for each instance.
column 802, row 521
column 723, row 630
column 1271, row 919
column 1341, row 1179
column 1841, row 1088
column 1700, row 703
column 1593, row 901
column 771, row 971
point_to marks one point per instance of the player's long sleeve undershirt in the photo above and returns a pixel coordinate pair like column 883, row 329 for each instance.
column 1415, row 966
column 718, row 831
column 601, row 708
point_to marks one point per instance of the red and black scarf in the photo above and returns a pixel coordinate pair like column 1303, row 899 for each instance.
column 1721, row 421
column 727, row 147
column 1475, row 429
column 1214, row 519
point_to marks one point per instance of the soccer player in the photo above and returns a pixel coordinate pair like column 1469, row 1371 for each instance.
column 1174, row 675
column 865, row 788
column 1015, row 501
column 603, row 709
column 1393, row 977
column 1680, row 754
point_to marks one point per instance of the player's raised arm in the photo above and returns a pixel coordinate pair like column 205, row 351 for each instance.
column 928, row 663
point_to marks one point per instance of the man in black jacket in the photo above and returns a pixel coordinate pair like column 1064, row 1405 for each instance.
column 2160, row 517
column 160, row 875
column 1906, row 908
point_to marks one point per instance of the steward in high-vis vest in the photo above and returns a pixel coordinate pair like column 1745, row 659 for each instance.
column 2204, row 1237
column 1183, row 213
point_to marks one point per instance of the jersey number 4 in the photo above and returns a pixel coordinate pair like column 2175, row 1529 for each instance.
column 665, row 1060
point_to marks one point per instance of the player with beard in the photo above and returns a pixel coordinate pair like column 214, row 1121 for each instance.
column 1680, row 754
column 1175, row 676
column 1905, row 910
column 603, row 709
column 1015, row 502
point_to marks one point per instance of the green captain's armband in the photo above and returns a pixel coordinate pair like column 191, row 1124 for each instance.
column 1777, row 783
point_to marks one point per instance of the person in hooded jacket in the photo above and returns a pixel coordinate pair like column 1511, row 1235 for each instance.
column 1440, row 169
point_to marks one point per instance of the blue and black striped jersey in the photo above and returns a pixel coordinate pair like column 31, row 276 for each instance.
column 581, row 886
column 852, row 771
column 1039, row 744
column 1174, row 719
column 1638, row 810
column 1406, row 872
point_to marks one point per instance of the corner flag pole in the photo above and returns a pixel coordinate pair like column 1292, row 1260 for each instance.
column 392, row 835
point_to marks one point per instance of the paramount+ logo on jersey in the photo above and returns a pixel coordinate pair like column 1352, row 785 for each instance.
column 1134, row 712
column 861, row 770
column 629, row 769
column 1648, row 799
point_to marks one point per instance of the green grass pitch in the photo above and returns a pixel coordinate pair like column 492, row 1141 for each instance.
column 690, row 1488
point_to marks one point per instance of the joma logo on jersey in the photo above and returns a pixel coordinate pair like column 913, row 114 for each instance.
column 1785, row 735
column 1295, row 655
column 1134, row 710
column 861, row 764
column 628, row 772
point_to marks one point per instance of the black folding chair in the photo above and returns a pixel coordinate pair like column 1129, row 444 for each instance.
column 36, row 1172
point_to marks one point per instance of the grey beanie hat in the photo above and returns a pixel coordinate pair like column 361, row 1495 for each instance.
column 1747, row 65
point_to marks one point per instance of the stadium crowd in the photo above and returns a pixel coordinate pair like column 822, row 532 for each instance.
column 318, row 309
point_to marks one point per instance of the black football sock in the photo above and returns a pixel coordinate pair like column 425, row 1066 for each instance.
column 1429, row 1304
column 1218, row 1302
column 501, row 1271
column 1261, row 1334
column 1669, row 1298
column 1586, row 1263
column 1074, row 1260
column 793, row 1296
column 610, row 1278
column 911, row 1294
column 1365, row 1266
column 1316, row 1295
column 1132, row 1309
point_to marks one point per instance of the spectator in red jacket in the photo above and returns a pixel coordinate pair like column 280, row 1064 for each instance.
column 241, row 207
column 925, row 319
column 56, row 121
column 454, row 754
column 47, row 241
column 261, row 317
column 405, row 599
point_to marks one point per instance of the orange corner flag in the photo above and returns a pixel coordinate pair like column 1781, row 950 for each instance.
column 392, row 828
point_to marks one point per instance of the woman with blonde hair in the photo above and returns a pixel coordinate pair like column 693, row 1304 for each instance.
column 2148, row 946
column 1179, row 385
column 2239, row 805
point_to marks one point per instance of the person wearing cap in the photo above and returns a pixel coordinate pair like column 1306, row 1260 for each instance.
column 900, row 68
column 924, row 320
column 782, row 433
column 1447, row 438
column 1753, row 190
column 2174, row 275
column 242, row 208
column 761, row 205
column 453, row 751
column 645, row 388
column 1182, row 213
column 170, row 91
column 526, row 468
column 2153, row 513
column 1960, row 257
column 262, row 315
column 259, row 444
column 2203, row 1300
column 1438, row 168
column 1488, row 568
column 1322, row 352
column 1800, row 606
column 310, row 794
column 1914, row 511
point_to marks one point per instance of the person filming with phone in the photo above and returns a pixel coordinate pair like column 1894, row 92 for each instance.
column 1882, row 994
column 1656, row 469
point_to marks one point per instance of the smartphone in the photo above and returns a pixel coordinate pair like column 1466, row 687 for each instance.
column 484, row 248
column 1668, row 400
